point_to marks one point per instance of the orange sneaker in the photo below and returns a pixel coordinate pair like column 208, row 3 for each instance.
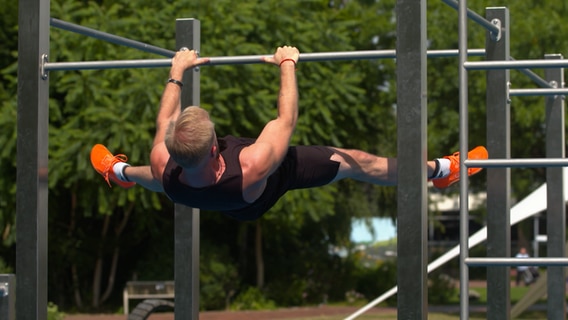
column 478, row 153
column 103, row 161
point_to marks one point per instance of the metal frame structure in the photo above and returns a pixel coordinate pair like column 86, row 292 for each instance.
column 412, row 247
column 411, row 53
column 32, row 131
column 498, row 262
column 498, row 63
column 7, row 297
column 186, row 230
column 34, row 67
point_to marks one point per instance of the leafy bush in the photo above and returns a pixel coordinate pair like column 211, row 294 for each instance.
column 289, row 292
column 352, row 297
column 53, row 312
column 252, row 299
column 371, row 282
column 441, row 288
column 4, row 267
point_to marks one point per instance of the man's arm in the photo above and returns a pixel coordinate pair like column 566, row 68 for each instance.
column 170, row 106
column 265, row 155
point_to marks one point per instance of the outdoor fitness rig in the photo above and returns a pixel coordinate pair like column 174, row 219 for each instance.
column 32, row 159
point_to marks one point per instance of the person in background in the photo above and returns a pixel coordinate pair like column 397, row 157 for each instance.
column 525, row 273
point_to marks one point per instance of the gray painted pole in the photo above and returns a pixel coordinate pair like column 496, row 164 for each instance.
column 186, row 265
column 109, row 37
column 518, row 163
column 490, row 262
column 498, row 179
column 31, row 176
column 7, row 297
column 537, row 92
column 474, row 16
column 463, row 142
column 556, row 207
column 411, row 132
column 515, row 64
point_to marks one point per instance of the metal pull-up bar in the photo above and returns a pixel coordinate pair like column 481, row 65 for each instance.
column 538, row 92
column 536, row 262
column 517, row 163
column 251, row 59
column 221, row 60
column 517, row 64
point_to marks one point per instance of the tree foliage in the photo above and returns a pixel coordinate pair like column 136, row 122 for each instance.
column 100, row 237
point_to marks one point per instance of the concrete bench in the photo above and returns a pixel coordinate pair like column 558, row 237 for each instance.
column 147, row 290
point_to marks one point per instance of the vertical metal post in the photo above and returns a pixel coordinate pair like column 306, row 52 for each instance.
column 7, row 297
column 188, row 34
column 498, row 179
column 463, row 140
column 556, row 211
column 31, row 176
column 412, row 152
column 536, row 228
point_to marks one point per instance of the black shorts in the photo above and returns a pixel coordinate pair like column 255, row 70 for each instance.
column 303, row 167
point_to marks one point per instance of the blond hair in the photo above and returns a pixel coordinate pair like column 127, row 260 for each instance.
column 190, row 138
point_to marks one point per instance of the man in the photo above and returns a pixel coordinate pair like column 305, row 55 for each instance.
column 244, row 177
column 528, row 274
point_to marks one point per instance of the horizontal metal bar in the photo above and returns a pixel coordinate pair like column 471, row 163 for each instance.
column 538, row 92
column 534, row 77
column 309, row 57
column 110, row 37
column 517, row 163
column 474, row 16
column 517, row 64
column 514, row 262
column 304, row 57
column 454, row 53
column 117, row 64
column 345, row 55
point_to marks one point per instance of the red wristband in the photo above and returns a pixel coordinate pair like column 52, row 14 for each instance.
column 288, row 59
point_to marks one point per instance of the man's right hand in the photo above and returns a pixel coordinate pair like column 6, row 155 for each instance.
column 187, row 59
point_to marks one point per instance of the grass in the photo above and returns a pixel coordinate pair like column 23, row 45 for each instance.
column 516, row 293
column 431, row 316
column 531, row 315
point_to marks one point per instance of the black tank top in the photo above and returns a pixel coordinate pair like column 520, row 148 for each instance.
column 225, row 195
column 302, row 167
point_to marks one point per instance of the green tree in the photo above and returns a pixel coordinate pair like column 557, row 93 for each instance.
column 8, row 107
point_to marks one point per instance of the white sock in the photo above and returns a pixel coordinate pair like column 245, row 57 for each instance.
column 443, row 167
column 118, row 169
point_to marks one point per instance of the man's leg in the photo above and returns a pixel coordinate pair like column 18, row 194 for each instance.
column 362, row 166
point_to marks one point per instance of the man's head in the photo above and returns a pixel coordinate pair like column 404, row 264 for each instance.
column 191, row 137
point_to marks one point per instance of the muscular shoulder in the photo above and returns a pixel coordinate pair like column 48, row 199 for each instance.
column 158, row 160
column 255, row 170
column 254, row 160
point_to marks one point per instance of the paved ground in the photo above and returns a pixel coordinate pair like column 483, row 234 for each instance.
column 288, row 313
column 249, row 315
